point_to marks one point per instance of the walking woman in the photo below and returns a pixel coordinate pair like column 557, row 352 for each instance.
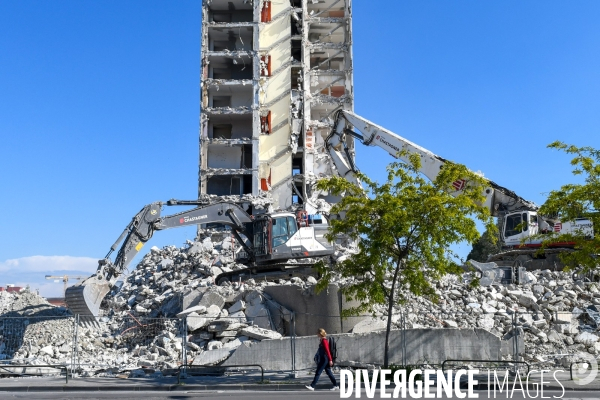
column 324, row 361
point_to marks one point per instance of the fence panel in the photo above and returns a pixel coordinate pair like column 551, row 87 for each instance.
column 37, row 339
column 130, row 342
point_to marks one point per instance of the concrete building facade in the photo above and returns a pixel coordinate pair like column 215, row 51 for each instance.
column 273, row 74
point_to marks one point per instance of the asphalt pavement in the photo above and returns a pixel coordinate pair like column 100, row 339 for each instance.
column 243, row 385
column 287, row 395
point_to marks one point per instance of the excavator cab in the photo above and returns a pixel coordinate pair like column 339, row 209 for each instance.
column 518, row 226
column 284, row 236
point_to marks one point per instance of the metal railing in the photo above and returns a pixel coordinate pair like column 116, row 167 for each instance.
column 219, row 367
column 55, row 366
column 572, row 365
column 146, row 339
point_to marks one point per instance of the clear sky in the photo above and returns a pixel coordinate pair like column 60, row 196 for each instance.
column 99, row 108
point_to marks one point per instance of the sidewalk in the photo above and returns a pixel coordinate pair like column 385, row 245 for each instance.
column 550, row 383
column 237, row 382
column 249, row 381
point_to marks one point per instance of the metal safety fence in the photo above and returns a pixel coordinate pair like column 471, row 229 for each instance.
column 143, row 345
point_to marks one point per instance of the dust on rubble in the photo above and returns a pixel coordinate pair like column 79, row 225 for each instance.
column 142, row 325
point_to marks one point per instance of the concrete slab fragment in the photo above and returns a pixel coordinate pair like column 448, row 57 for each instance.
column 196, row 309
column 211, row 357
column 259, row 333
column 369, row 325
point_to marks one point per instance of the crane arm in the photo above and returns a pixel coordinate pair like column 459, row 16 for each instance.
column 347, row 123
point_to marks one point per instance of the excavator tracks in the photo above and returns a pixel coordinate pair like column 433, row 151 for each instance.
column 268, row 272
column 530, row 259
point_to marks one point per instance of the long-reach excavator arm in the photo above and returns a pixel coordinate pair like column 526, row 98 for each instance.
column 347, row 123
column 519, row 224
column 85, row 297
column 271, row 240
column 142, row 227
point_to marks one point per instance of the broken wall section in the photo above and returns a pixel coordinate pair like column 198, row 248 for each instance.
column 275, row 162
column 229, row 93
column 273, row 76
column 327, row 88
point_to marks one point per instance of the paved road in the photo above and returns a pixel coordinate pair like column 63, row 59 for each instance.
column 295, row 395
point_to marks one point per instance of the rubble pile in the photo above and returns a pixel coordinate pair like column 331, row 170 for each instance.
column 22, row 303
column 143, row 324
column 29, row 325
column 179, row 282
column 554, row 314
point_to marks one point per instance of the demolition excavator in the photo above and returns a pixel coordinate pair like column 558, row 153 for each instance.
column 268, row 241
column 519, row 223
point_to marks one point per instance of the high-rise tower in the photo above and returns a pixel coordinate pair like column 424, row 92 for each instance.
column 273, row 74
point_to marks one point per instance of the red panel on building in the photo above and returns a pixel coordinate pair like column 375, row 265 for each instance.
column 265, row 13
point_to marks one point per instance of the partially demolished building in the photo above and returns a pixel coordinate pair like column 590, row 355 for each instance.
column 273, row 74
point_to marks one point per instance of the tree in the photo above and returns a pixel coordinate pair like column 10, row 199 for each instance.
column 578, row 200
column 404, row 228
column 489, row 243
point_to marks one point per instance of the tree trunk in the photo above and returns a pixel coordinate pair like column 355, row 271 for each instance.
column 388, row 328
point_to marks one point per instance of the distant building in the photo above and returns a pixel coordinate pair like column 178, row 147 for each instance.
column 57, row 301
column 11, row 288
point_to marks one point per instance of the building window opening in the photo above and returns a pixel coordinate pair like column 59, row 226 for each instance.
column 247, row 184
column 237, row 185
column 247, row 156
column 221, row 101
column 296, row 26
column 265, row 123
column 296, row 166
column 221, row 73
column 222, row 16
column 222, row 131
column 231, row 15
column 297, row 50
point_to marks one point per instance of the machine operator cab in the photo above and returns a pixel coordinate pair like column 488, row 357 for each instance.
column 519, row 225
column 525, row 224
column 285, row 235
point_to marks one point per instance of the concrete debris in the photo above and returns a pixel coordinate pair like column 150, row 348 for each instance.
column 370, row 325
column 552, row 312
column 212, row 357
column 260, row 202
column 141, row 325
column 237, row 306
column 260, row 333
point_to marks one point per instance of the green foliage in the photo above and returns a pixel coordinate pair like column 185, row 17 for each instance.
column 573, row 201
column 489, row 243
column 406, row 227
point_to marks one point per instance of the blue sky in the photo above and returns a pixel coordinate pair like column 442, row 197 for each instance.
column 99, row 107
